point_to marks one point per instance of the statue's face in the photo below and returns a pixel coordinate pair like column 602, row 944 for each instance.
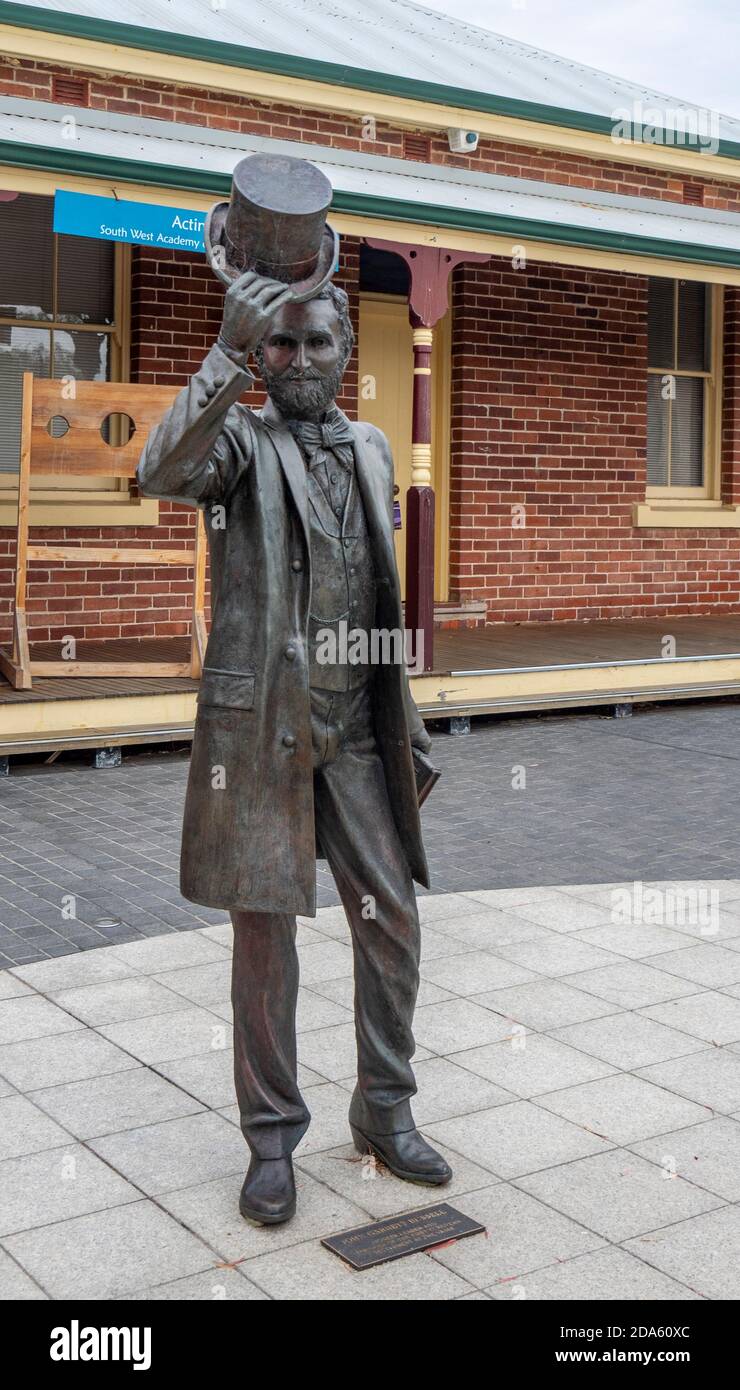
column 302, row 359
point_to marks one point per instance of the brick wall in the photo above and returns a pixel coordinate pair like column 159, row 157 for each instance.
column 548, row 403
column 549, row 453
column 548, row 415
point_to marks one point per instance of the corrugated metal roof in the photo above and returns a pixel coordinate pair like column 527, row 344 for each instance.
column 204, row 158
column 392, row 37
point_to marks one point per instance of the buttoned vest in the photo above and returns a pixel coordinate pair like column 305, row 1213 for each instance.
column 342, row 590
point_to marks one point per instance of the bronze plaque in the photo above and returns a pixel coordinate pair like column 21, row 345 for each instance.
column 381, row 1241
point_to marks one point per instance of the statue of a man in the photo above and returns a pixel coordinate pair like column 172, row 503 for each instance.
column 295, row 755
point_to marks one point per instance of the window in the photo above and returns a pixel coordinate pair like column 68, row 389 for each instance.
column 59, row 314
column 682, row 390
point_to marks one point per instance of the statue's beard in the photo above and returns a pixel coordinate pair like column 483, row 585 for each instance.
column 306, row 396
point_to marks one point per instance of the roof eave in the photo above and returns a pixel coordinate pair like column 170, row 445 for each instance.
column 381, row 208
column 336, row 74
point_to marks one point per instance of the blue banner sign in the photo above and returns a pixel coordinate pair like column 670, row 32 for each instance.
column 141, row 224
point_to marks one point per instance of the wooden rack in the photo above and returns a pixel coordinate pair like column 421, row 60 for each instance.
column 97, row 442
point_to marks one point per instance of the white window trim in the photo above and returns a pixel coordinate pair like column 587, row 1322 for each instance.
column 700, row 506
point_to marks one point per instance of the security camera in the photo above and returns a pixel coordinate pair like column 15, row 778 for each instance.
column 462, row 141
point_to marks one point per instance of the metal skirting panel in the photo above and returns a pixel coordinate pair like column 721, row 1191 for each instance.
column 575, row 700
column 67, row 739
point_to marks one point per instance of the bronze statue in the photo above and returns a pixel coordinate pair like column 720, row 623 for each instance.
column 296, row 756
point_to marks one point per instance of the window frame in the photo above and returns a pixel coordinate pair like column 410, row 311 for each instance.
column 709, row 490
column 85, row 502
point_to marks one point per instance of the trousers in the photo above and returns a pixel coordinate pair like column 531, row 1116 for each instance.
column 362, row 847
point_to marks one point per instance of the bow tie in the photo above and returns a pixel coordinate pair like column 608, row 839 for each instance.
column 333, row 435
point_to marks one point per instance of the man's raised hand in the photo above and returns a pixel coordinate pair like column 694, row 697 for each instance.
column 249, row 305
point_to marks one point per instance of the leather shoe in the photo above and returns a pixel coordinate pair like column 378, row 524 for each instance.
column 268, row 1191
column 406, row 1154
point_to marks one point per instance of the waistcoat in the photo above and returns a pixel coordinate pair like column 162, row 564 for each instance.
column 342, row 589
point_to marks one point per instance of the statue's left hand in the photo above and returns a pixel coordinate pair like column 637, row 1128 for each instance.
column 421, row 741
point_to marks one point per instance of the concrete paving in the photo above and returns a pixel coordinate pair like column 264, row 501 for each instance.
column 90, row 858
column 580, row 1071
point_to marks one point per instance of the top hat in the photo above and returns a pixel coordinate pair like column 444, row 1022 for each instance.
column 274, row 224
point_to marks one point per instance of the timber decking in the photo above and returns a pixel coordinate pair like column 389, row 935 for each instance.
column 507, row 646
column 500, row 647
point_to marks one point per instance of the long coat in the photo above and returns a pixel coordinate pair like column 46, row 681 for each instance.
column 248, row 835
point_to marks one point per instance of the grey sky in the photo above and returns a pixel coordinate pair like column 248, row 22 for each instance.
column 686, row 48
